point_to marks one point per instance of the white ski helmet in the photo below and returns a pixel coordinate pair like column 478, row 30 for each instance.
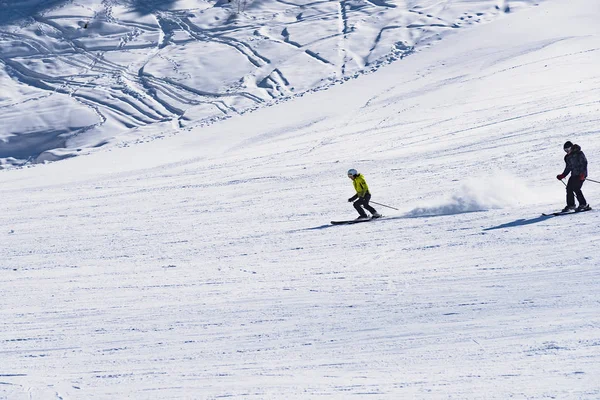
column 352, row 172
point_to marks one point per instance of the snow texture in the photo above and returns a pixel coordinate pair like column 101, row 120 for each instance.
column 203, row 265
column 91, row 73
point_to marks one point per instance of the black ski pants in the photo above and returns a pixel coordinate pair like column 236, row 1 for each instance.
column 574, row 189
column 364, row 202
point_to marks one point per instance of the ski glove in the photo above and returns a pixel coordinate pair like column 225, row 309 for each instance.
column 582, row 176
column 351, row 199
column 560, row 177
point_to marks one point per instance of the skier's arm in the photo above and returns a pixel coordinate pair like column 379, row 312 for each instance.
column 583, row 161
column 567, row 170
column 363, row 189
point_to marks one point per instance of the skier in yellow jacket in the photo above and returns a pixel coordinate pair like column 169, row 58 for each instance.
column 362, row 196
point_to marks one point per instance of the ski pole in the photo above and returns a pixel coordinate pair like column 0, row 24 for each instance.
column 591, row 180
column 379, row 204
column 563, row 182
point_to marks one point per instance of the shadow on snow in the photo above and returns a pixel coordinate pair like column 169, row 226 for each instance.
column 378, row 221
column 520, row 222
column 12, row 11
column 149, row 6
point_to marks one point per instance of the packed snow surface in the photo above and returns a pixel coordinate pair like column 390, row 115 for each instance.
column 203, row 265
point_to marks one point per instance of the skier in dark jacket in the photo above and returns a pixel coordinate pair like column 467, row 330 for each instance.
column 576, row 165
column 362, row 196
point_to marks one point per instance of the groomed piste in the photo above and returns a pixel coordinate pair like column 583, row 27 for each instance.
column 200, row 263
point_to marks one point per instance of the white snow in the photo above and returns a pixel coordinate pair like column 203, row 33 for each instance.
column 130, row 66
column 203, row 265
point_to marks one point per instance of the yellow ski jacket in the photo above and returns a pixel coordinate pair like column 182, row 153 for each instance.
column 360, row 185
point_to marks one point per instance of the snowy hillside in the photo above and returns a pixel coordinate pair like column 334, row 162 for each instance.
column 204, row 266
column 79, row 74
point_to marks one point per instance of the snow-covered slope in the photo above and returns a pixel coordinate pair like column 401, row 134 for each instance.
column 204, row 266
column 79, row 74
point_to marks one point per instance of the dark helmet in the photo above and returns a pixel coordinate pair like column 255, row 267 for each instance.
column 567, row 144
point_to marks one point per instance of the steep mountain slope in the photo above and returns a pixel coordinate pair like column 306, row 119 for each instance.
column 80, row 74
column 203, row 265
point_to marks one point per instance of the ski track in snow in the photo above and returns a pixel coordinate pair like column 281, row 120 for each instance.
column 110, row 61
column 203, row 265
column 158, row 298
column 189, row 297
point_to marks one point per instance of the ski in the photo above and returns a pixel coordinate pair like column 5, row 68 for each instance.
column 353, row 221
column 350, row 222
column 557, row 213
